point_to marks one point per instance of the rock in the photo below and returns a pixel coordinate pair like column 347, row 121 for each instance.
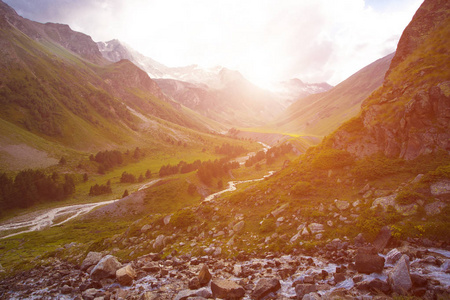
column 330, row 223
column 226, row 289
column 264, row 287
column 418, row 281
column 365, row 189
column 393, row 256
column 434, row 208
column 194, row 283
column 237, row 270
column 339, row 277
column 66, row 289
column 279, row 210
column 90, row 293
column 382, row 239
column 91, row 260
column 384, row 202
column 106, row 268
column 440, row 188
column 316, row 228
column 185, row 294
column 159, row 242
column 295, row 238
column 359, row 239
column 356, row 203
column 146, row 228
column 399, row 277
column 375, row 285
column 342, row 205
column 304, row 289
column 167, row 219
column 126, row 275
column 312, row 296
column 217, row 251
column 305, row 232
column 151, row 267
column 239, row 226
column 204, row 276
column 150, row 296
column 368, row 261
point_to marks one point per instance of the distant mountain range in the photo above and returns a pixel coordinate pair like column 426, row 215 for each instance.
column 219, row 93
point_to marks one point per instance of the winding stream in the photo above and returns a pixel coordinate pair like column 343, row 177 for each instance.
column 60, row 215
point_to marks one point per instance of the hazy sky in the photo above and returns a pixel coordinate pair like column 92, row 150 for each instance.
column 267, row 40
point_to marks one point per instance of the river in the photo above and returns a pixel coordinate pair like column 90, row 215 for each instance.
column 56, row 216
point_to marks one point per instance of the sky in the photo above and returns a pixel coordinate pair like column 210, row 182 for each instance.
column 266, row 40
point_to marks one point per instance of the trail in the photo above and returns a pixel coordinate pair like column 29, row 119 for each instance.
column 48, row 218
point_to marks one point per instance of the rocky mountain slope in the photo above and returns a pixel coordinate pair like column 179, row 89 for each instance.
column 410, row 114
column 321, row 113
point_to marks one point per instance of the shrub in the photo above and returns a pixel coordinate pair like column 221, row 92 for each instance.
column 267, row 225
column 407, row 197
column 302, row 188
column 183, row 218
column 332, row 159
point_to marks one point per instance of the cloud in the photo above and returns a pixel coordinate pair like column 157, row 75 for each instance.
column 314, row 40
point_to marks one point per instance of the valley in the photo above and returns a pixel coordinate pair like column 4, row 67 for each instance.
column 123, row 178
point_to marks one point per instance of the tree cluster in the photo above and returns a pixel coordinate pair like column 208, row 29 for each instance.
column 101, row 189
column 182, row 167
column 127, row 178
column 30, row 187
column 107, row 159
column 255, row 158
column 273, row 153
column 230, row 150
column 215, row 169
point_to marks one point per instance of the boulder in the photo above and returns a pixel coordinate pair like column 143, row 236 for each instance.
column 434, row 208
column 204, row 276
column 238, row 226
column 91, row 260
column 106, row 268
column 382, row 239
column 146, row 228
column 226, row 289
column 159, row 242
column 316, row 228
column 167, row 219
column 368, row 261
column 440, row 188
column 194, row 283
column 185, row 294
column 312, row 296
column 399, row 277
column 126, row 275
column 305, row 232
column 393, row 256
column 152, row 267
column 264, row 287
column 342, row 205
column 304, row 289
column 374, row 285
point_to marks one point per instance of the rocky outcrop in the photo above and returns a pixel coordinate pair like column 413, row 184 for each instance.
column 410, row 114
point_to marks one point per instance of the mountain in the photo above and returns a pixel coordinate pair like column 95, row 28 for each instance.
column 320, row 114
column 292, row 90
column 56, row 89
column 218, row 93
column 409, row 115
